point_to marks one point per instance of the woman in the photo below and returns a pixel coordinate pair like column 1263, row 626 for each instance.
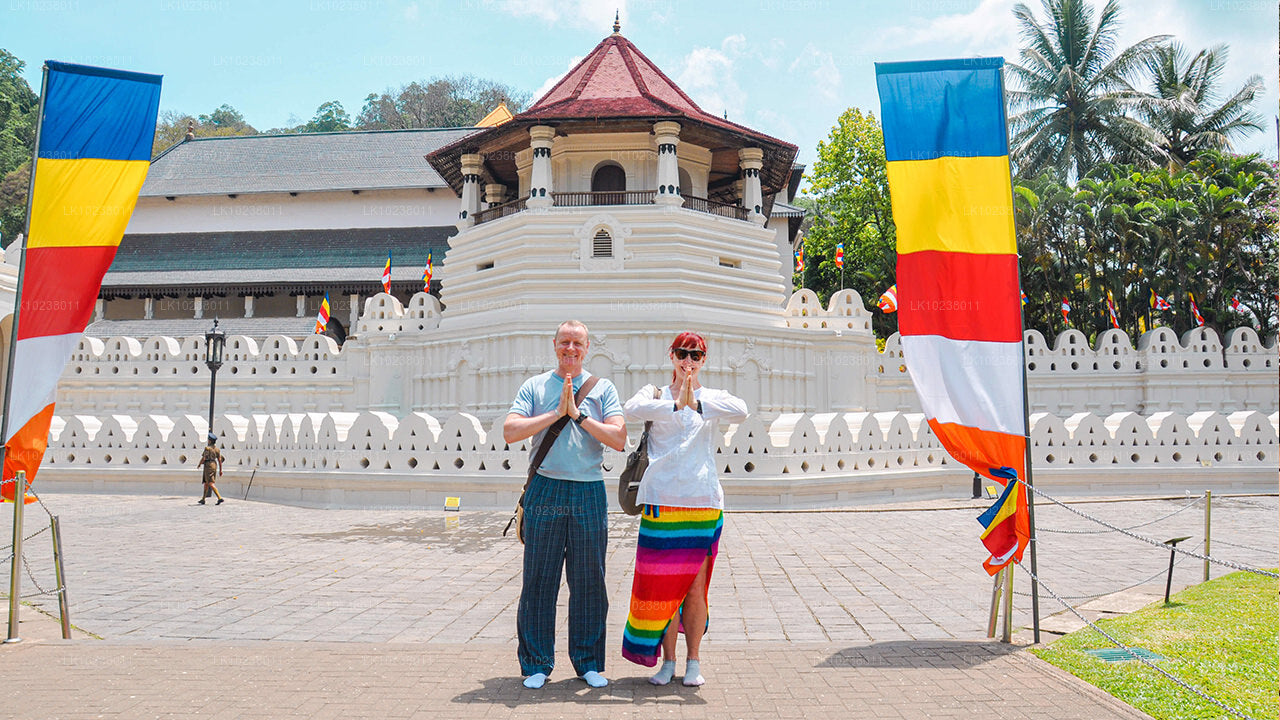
column 683, row 512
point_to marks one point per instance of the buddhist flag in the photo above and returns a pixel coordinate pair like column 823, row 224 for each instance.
column 800, row 258
column 1195, row 311
column 1159, row 303
column 1236, row 304
column 1024, row 298
column 1066, row 311
column 958, row 307
column 840, row 256
column 96, row 127
column 322, row 319
column 426, row 275
column 386, row 276
column 888, row 301
column 1111, row 310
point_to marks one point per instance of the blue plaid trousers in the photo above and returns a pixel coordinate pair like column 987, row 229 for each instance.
column 565, row 526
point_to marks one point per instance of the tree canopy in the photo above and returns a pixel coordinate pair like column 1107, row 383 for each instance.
column 440, row 102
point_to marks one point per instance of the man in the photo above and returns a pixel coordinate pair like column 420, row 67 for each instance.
column 211, row 467
column 565, row 525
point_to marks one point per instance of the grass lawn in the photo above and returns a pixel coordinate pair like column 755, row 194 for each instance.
column 1219, row 637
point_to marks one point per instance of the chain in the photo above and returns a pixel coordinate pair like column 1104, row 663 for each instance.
column 1112, row 592
column 1157, row 543
column 1189, row 505
column 32, row 576
column 1242, row 501
column 1132, row 653
column 10, row 545
column 1243, row 547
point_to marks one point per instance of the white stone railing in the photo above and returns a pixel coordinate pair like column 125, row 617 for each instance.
column 794, row 445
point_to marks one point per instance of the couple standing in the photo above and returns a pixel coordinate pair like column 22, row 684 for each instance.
column 565, row 505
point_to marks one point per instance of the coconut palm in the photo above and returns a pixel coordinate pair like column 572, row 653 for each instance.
column 1074, row 91
column 1187, row 87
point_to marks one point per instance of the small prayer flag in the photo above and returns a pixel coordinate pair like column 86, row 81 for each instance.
column 800, row 258
column 888, row 301
column 1066, row 310
column 426, row 275
column 1159, row 303
column 322, row 319
column 840, row 255
column 1111, row 310
column 386, row 276
column 1195, row 311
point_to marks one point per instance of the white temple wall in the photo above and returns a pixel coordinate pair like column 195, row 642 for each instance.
column 436, row 207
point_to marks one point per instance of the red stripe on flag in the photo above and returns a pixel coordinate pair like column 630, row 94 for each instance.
column 982, row 449
column 59, row 288
column 25, row 449
column 962, row 296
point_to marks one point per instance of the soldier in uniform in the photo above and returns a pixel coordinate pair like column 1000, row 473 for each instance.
column 211, row 464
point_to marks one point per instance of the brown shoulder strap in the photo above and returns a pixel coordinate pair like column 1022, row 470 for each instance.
column 553, row 432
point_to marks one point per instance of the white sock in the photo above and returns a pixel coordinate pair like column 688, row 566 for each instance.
column 594, row 679
column 665, row 673
column 693, row 674
column 535, row 681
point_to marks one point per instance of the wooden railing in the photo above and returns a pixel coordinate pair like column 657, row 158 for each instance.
column 587, row 199
column 628, row 197
column 715, row 208
column 500, row 211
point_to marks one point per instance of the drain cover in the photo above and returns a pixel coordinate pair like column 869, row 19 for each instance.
column 1119, row 655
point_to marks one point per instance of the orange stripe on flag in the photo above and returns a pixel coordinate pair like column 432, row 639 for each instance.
column 25, row 449
column 983, row 449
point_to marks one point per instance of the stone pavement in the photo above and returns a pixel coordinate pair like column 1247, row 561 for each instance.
column 256, row 610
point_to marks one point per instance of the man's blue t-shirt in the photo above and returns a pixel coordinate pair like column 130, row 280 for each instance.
column 575, row 455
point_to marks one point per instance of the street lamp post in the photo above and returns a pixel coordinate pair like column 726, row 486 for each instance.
column 214, row 340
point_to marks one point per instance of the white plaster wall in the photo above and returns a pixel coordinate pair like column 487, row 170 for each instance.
column 280, row 211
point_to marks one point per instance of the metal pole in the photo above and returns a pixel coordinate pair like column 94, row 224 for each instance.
column 1006, row 635
column 213, row 384
column 1208, row 505
column 15, row 569
column 64, row 614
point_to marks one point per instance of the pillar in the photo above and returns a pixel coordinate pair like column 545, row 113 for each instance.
column 541, row 137
column 354, row 317
column 494, row 194
column 472, row 165
column 750, row 160
column 199, row 306
column 302, row 305
column 668, row 136
column 148, row 308
column 248, row 306
column 99, row 309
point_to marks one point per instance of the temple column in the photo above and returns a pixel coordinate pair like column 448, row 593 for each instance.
column 199, row 306
column 355, row 312
column 541, row 137
column 494, row 194
column 99, row 309
column 668, row 136
column 302, row 305
column 248, row 306
column 148, row 308
column 472, row 165
column 750, row 160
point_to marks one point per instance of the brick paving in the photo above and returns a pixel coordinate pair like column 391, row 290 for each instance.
column 257, row 610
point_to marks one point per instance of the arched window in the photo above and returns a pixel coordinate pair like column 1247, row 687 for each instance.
column 612, row 182
column 602, row 244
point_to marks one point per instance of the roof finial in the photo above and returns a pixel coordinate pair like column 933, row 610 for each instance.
column 617, row 26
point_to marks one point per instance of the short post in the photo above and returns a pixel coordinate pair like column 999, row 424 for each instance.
column 1208, row 505
column 977, row 486
column 1006, row 635
column 15, row 574
column 995, row 604
column 1168, row 583
column 64, row 614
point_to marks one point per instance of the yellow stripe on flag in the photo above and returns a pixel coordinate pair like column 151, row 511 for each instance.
column 953, row 204
column 83, row 202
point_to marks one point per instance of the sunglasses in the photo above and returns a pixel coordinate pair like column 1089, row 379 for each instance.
column 682, row 353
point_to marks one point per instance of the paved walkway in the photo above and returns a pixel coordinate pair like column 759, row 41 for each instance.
column 257, row 610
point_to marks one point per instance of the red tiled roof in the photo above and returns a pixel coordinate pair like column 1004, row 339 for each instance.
column 616, row 80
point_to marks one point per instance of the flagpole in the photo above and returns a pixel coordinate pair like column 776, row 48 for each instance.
column 19, row 493
column 1026, row 421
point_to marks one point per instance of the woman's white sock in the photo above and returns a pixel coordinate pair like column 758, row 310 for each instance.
column 693, row 674
column 665, row 673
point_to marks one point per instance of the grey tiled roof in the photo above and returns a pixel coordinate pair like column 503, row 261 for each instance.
column 310, row 162
column 781, row 209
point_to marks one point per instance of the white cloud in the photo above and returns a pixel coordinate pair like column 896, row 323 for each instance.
column 551, row 81
column 821, row 66
column 411, row 12
column 586, row 14
column 986, row 30
column 708, row 76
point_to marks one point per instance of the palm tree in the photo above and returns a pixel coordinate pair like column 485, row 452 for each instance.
column 1075, row 91
column 1187, row 88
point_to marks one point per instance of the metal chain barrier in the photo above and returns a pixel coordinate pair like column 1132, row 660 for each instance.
column 1181, row 683
column 1111, row 592
column 1188, row 506
column 1242, row 547
column 32, row 577
column 1149, row 541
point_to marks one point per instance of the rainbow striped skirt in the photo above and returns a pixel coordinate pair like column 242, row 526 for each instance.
column 673, row 544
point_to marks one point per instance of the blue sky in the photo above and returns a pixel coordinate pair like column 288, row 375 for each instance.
column 785, row 67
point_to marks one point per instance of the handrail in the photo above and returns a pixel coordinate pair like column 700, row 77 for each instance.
column 500, row 211
column 609, row 197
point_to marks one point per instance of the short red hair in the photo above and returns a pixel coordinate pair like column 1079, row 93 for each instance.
column 692, row 341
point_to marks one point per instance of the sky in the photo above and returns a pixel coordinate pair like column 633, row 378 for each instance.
column 787, row 68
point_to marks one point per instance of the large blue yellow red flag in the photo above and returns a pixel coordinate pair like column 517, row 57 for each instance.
column 93, row 149
column 959, row 311
column 386, row 276
column 322, row 318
